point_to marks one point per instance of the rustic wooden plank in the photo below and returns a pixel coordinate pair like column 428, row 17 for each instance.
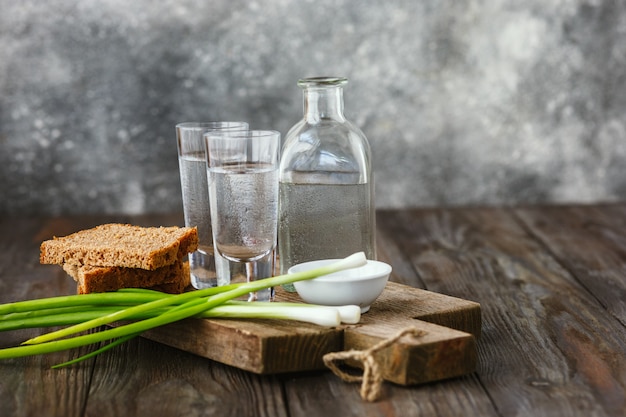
column 390, row 252
column 441, row 353
column 144, row 378
column 590, row 241
column 543, row 334
column 28, row 386
column 323, row 394
column 259, row 346
column 402, row 302
column 275, row 346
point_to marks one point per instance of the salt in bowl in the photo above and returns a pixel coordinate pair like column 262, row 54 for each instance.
column 356, row 286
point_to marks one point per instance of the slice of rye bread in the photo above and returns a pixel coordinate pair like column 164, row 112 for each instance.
column 170, row 278
column 121, row 245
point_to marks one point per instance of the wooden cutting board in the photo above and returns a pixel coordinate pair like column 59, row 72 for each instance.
column 446, row 349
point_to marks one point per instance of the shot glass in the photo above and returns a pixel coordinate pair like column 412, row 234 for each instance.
column 193, row 180
column 242, row 169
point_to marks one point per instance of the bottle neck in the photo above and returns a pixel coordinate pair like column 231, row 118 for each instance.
column 323, row 103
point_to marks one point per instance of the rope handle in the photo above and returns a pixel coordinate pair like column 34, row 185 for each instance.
column 372, row 378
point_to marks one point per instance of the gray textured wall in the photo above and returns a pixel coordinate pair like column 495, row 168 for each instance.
column 464, row 102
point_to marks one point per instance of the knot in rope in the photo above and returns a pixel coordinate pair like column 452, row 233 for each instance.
column 372, row 378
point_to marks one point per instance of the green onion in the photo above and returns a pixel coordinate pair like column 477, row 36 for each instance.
column 232, row 309
column 154, row 309
column 348, row 314
column 130, row 298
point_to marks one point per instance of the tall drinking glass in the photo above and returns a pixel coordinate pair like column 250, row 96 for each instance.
column 243, row 191
column 193, row 180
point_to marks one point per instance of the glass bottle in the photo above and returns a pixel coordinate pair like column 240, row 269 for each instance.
column 326, row 203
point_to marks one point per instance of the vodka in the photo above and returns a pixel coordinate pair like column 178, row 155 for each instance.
column 245, row 205
column 193, row 177
column 324, row 221
column 195, row 191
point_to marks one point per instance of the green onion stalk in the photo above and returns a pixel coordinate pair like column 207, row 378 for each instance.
column 65, row 316
column 147, row 309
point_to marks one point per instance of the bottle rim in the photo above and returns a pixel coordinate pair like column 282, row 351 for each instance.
column 322, row 81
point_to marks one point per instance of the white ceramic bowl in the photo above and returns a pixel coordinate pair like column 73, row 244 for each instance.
column 357, row 286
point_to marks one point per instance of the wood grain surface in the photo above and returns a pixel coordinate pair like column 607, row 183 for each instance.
column 447, row 348
column 551, row 283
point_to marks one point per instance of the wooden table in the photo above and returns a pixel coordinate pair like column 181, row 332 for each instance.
column 551, row 282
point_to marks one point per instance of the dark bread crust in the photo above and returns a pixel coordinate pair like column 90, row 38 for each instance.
column 172, row 278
